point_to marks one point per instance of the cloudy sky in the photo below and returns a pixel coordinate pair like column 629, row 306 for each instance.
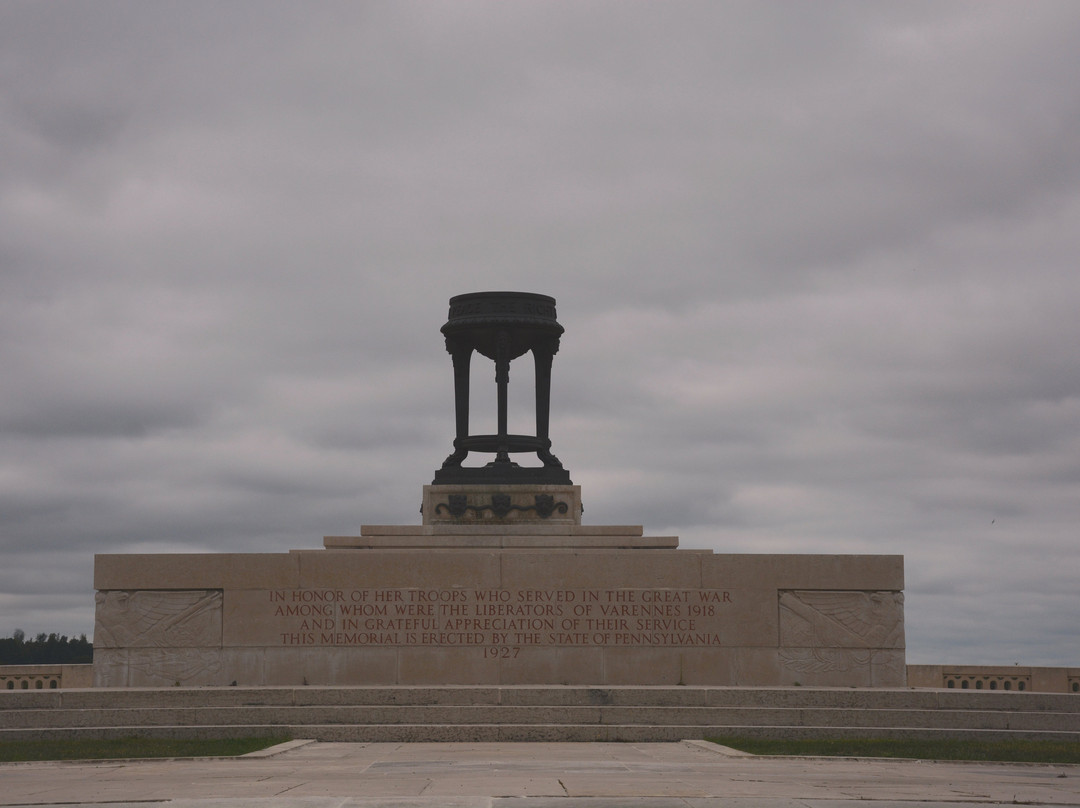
column 817, row 265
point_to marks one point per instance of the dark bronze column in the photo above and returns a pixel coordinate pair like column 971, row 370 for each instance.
column 502, row 381
column 461, row 355
column 542, row 357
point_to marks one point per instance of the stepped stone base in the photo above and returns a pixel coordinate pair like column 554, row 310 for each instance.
column 500, row 585
column 518, row 536
column 499, row 605
column 537, row 713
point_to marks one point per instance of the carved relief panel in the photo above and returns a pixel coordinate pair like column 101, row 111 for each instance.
column 158, row 619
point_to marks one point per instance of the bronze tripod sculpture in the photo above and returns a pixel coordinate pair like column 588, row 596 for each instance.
column 502, row 326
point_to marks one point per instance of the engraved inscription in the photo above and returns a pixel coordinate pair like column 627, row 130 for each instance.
column 501, row 621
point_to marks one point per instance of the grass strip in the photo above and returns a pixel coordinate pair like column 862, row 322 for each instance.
column 1014, row 751
column 14, row 751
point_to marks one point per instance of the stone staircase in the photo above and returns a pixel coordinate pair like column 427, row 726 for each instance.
column 541, row 713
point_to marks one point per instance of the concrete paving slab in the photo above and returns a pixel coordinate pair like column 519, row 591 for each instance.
column 533, row 775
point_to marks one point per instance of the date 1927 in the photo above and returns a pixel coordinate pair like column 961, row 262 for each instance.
column 501, row 652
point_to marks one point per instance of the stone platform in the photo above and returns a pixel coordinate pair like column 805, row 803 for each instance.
column 558, row 604
column 500, row 585
column 501, row 537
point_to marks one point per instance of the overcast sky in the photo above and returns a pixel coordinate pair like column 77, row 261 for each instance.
column 817, row 265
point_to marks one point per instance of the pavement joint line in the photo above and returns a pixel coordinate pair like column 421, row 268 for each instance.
column 716, row 748
column 278, row 749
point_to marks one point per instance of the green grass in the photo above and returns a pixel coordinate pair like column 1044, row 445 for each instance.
column 11, row 751
column 1015, row 751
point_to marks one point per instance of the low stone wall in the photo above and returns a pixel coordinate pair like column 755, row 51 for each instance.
column 537, row 604
column 995, row 677
column 45, row 677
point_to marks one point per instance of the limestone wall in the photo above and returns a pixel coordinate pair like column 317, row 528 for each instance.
column 555, row 615
column 995, row 677
column 45, row 677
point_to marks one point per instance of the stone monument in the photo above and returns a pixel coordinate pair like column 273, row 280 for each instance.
column 501, row 583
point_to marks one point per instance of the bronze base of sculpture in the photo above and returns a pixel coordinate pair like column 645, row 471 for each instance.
column 501, row 473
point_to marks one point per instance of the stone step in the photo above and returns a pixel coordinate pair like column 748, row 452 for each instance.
column 488, row 714
column 794, row 697
column 410, row 733
column 536, row 713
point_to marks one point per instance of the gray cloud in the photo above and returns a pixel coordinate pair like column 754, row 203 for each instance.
column 816, row 266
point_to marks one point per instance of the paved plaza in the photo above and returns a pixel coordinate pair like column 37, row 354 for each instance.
column 691, row 774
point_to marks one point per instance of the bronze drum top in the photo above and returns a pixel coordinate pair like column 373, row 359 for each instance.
column 487, row 309
column 478, row 317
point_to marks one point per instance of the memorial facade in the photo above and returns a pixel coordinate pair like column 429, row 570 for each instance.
column 500, row 583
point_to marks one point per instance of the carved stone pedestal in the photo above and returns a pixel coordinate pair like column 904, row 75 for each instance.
column 507, row 505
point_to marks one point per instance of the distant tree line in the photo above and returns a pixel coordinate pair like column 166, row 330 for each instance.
column 45, row 649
